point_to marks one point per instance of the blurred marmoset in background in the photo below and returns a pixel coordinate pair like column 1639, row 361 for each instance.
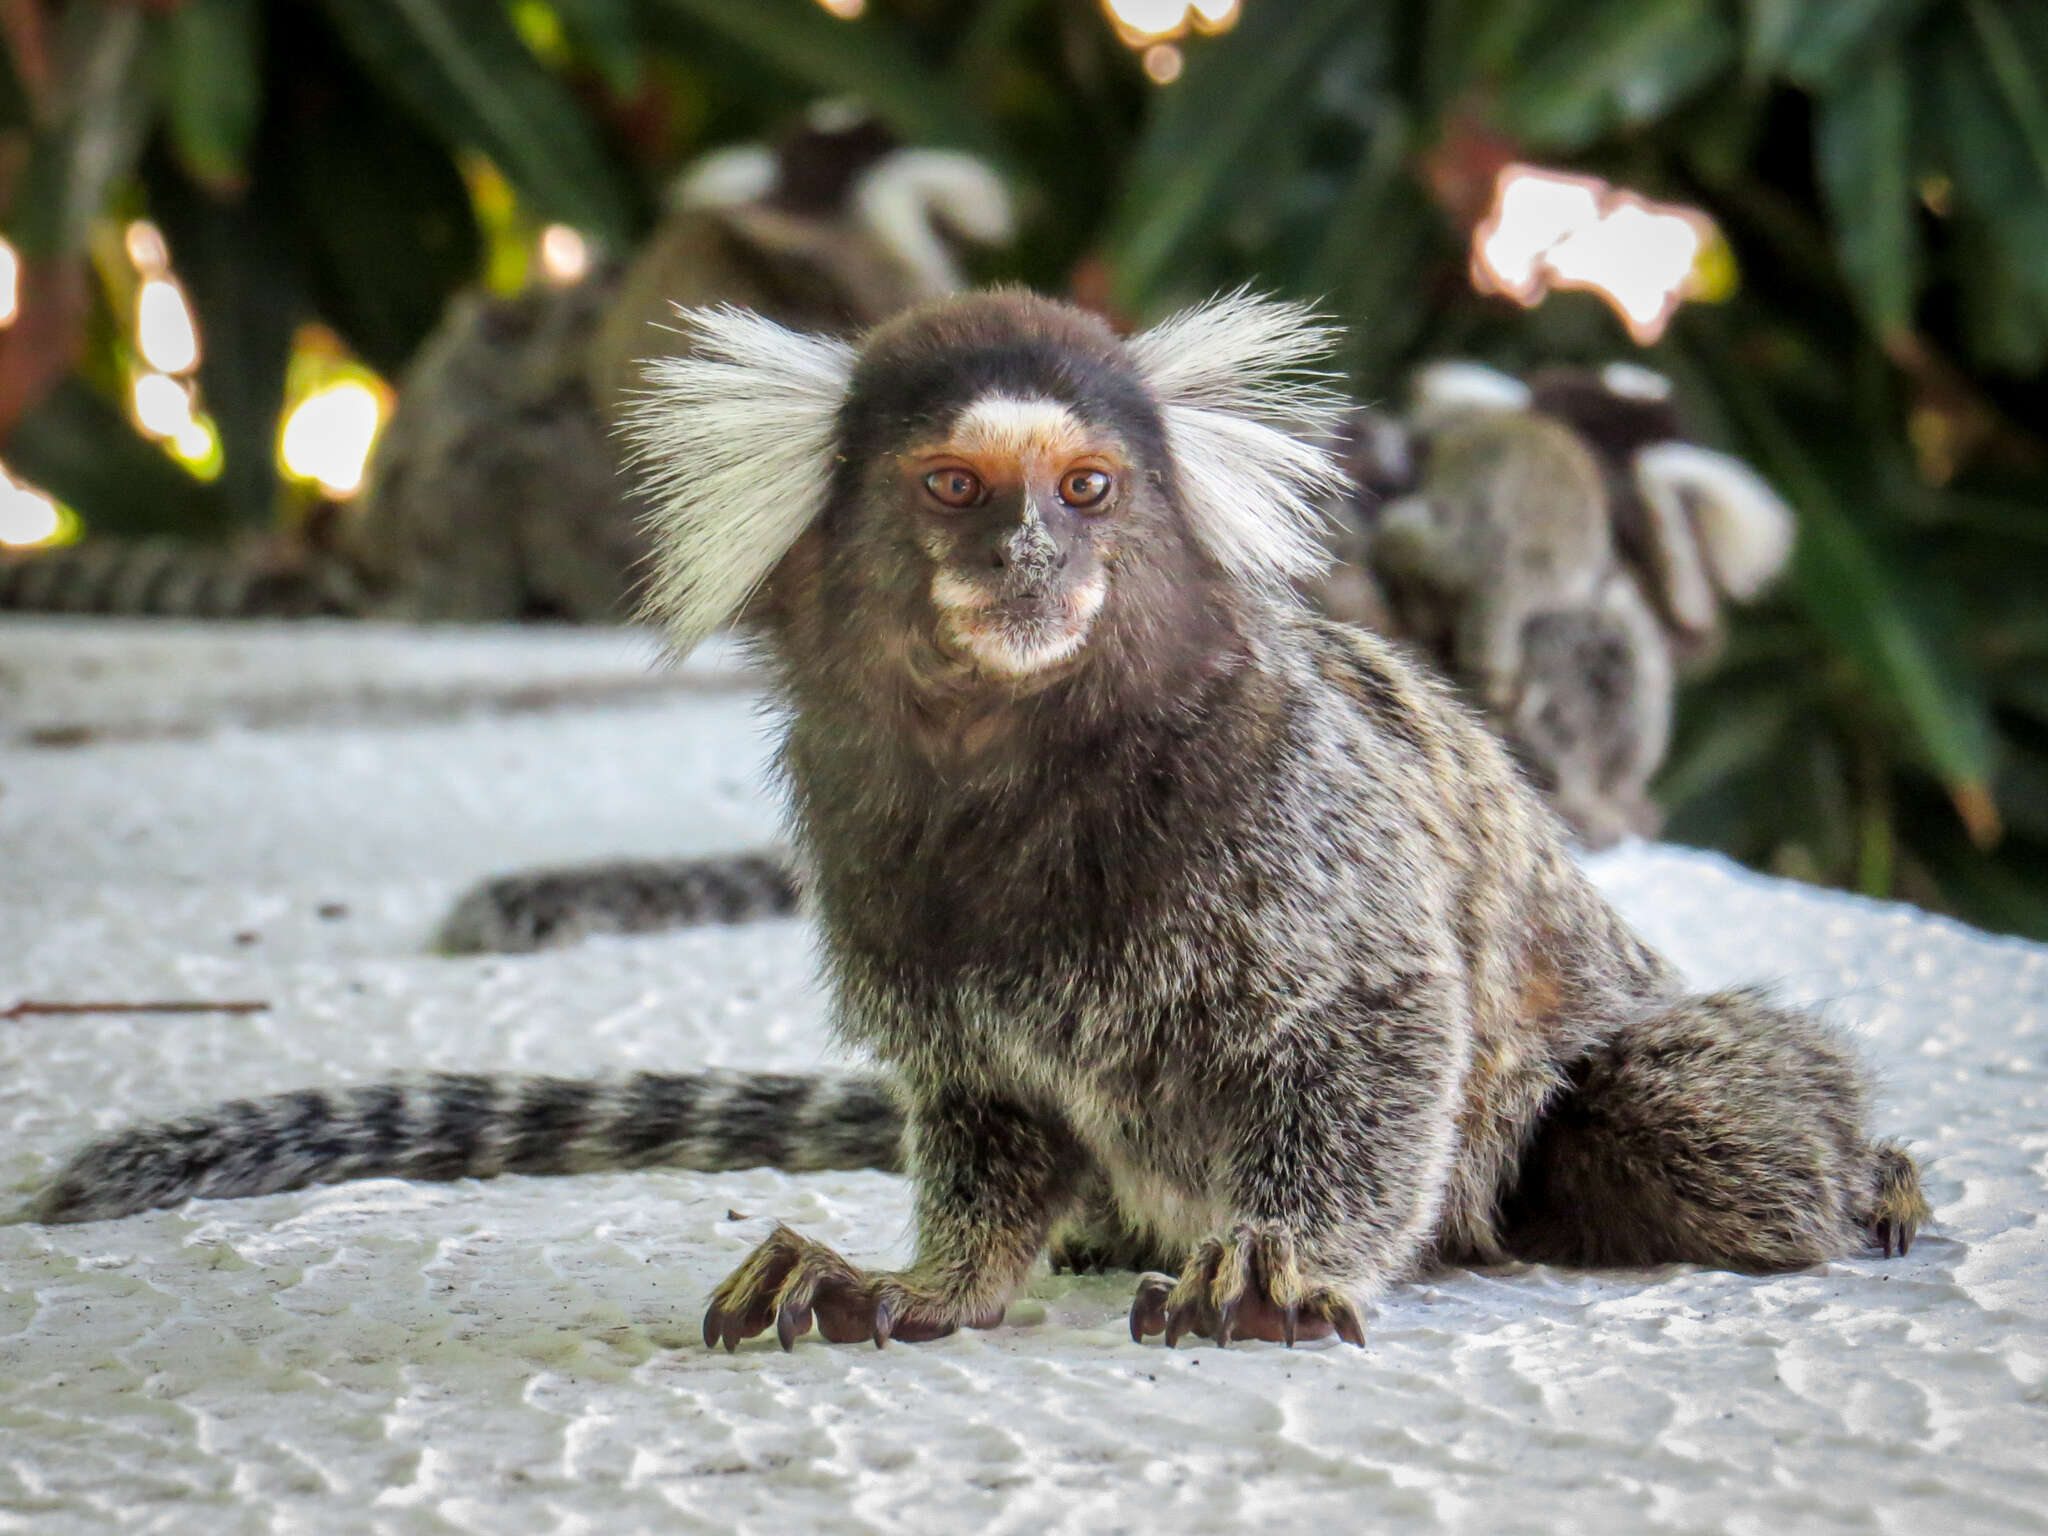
column 1558, row 549
column 494, row 493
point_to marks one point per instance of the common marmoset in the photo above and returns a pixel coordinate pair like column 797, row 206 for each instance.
column 1559, row 549
column 1191, row 932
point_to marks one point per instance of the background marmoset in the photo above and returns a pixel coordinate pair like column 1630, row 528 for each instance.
column 1191, row 932
column 494, row 493
column 1559, row 550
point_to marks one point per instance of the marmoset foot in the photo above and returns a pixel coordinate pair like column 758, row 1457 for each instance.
column 1898, row 1206
column 791, row 1282
column 1243, row 1286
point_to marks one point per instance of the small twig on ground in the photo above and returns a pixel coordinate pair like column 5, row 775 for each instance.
column 31, row 1007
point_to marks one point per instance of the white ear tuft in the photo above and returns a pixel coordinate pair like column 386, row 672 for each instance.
column 733, row 440
column 1744, row 528
column 1246, row 423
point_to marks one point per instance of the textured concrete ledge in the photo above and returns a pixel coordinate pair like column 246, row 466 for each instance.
column 520, row 1355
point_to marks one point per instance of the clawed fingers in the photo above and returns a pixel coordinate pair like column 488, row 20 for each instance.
column 1246, row 1286
column 789, row 1281
column 792, row 1284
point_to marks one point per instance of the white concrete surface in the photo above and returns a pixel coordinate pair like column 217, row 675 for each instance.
column 179, row 803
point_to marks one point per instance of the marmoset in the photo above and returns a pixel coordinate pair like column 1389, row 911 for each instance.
column 1190, row 931
column 1558, row 549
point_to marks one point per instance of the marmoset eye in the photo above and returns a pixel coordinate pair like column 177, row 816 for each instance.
column 1084, row 488
column 954, row 487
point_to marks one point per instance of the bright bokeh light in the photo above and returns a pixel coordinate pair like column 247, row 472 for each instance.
column 10, row 284
column 194, row 442
column 162, row 405
column 164, row 330
column 1533, row 212
column 1640, row 260
column 328, row 436
column 1142, row 23
column 1163, row 63
column 145, row 243
column 1551, row 230
column 845, row 10
column 27, row 516
column 564, row 255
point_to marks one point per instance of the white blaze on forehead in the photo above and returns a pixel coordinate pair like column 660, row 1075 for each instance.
column 1005, row 426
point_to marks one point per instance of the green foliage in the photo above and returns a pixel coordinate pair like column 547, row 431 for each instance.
column 1880, row 168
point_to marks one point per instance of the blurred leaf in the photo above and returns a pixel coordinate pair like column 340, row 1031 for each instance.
column 1209, row 127
column 608, row 34
column 2018, row 76
column 75, row 161
column 2003, row 312
column 16, row 111
column 1605, row 54
column 1833, row 38
column 1862, row 149
column 1743, row 729
column 868, row 59
column 389, row 230
column 1856, row 599
column 1769, row 26
column 1380, row 245
column 461, row 69
column 2002, row 220
column 2027, row 691
column 1995, row 895
column 1465, row 42
column 213, row 86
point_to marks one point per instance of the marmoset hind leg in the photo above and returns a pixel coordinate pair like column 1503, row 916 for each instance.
column 1722, row 1130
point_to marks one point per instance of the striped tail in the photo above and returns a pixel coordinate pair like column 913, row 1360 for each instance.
column 453, row 1125
column 173, row 579
column 545, row 908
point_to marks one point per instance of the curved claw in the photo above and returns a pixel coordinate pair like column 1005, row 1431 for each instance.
column 885, row 1322
column 1349, row 1325
column 1290, row 1323
column 1226, row 1324
column 792, row 1322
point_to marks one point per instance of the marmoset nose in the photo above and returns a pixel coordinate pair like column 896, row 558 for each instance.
column 1027, row 551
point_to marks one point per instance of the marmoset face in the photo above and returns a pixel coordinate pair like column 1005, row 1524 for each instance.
column 1016, row 505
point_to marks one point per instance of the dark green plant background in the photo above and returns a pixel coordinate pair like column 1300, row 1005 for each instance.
column 1880, row 168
